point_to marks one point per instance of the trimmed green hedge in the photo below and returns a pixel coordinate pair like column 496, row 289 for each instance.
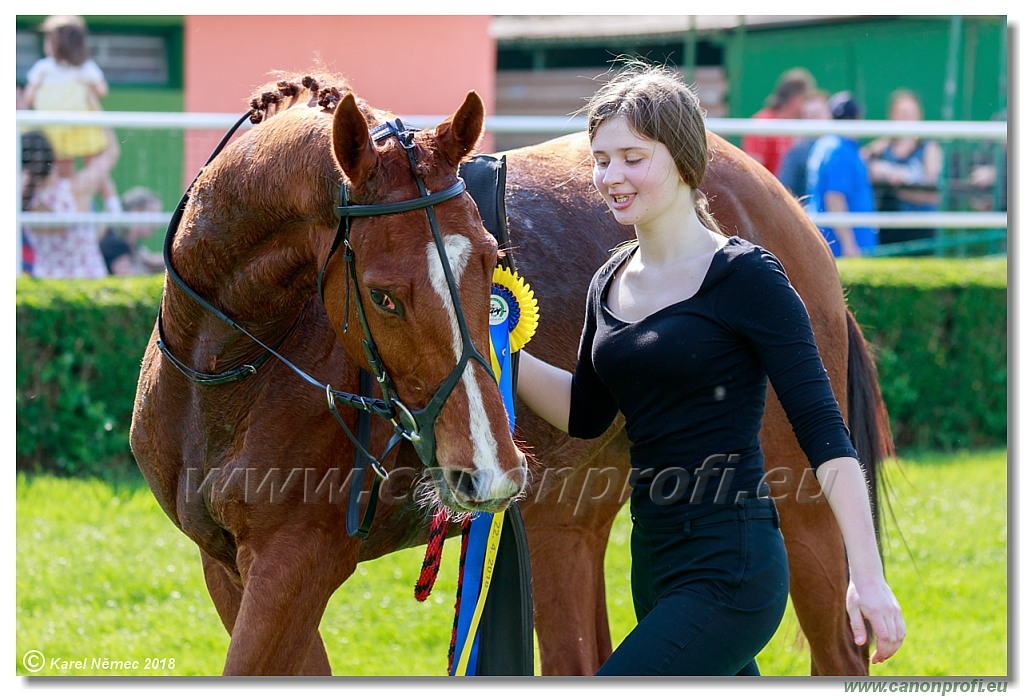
column 939, row 328
column 79, row 349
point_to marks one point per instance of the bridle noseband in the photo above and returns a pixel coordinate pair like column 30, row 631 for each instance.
column 415, row 425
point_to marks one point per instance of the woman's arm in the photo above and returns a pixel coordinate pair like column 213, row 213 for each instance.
column 873, row 149
column 869, row 597
column 932, row 163
column 95, row 175
column 777, row 324
column 30, row 96
column 99, row 91
column 546, row 389
column 97, row 82
column 33, row 79
column 836, row 202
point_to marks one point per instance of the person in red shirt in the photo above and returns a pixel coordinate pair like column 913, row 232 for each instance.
column 785, row 102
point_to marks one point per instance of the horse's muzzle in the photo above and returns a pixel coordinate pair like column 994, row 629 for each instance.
column 487, row 490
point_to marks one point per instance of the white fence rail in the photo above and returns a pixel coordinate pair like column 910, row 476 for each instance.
column 555, row 126
column 541, row 126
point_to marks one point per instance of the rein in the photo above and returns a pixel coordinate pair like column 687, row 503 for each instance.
column 415, row 425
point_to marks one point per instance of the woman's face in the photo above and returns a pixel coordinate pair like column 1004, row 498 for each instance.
column 138, row 232
column 816, row 108
column 905, row 109
column 635, row 175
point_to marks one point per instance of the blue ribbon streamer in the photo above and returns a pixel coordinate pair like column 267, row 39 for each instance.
column 478, row 533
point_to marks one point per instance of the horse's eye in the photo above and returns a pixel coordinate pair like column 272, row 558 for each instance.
column 385, row 302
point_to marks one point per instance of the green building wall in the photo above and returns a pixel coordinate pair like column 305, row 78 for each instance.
column 874, row 57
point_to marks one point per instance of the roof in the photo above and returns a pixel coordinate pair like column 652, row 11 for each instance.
column 551, row 29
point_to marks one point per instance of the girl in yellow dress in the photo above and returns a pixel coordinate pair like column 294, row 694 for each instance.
column 67, row 80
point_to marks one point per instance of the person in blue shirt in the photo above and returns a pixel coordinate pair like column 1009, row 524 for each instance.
column 838, row 181
column 793, row 171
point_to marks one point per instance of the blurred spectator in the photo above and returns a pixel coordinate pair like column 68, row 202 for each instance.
column 48, row 185
column 793, row 171
column 904, row 170
column 785, row 102
column 987, row 175
column 36, row 166
column 838, row 182
column 67, row 80
column 122, row 251
column 27, row 254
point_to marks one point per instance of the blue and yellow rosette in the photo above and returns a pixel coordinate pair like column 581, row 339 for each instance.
column 514, row 318
column 514, row 304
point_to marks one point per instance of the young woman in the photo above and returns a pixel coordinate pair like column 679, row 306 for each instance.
column 52, row 185
column 905, row 170
column 683, row 329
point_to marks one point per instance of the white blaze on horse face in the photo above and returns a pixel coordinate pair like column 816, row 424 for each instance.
column 485, row 446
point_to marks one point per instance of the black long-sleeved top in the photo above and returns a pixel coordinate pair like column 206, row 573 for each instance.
column 690, row 380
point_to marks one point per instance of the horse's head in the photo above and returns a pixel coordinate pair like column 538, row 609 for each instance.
column 410, row 290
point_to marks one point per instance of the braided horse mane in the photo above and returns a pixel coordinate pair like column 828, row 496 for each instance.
column 319, row 88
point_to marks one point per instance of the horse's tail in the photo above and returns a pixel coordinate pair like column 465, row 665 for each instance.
column 867, row 415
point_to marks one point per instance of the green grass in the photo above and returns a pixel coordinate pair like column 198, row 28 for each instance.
column 102, row 573
column 946, row 561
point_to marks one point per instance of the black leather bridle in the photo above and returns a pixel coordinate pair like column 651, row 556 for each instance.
column 415, row 425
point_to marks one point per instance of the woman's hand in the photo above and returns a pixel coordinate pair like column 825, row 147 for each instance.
column 870, row 601
column 868, row 598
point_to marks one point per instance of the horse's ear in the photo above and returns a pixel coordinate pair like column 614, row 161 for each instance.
column 353, row 148
column 458, row 135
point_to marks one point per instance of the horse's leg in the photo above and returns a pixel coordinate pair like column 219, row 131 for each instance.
column 817, row 555
column 818, row 588
column 288, row 580
column 226, row 591
column 569, row 597
column 568, row 524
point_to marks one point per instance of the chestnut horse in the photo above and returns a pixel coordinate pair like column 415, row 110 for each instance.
column 254, row 471
column 250, row 463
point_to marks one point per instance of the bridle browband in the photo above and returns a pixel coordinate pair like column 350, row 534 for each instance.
column 414, row 425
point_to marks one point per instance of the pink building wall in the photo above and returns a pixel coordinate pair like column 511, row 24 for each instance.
column 423, row 64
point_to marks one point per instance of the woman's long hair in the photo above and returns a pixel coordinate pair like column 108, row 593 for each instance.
column 658, row 106
column 36, row 165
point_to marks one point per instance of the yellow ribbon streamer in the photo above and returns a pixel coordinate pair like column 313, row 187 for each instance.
column 490, row 555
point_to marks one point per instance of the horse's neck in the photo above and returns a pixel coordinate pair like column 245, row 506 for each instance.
column 251, row 250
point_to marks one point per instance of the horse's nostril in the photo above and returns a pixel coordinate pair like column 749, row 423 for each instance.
column 466, row 485
column 483, row 489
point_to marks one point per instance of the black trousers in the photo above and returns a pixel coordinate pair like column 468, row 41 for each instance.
column 709, row 594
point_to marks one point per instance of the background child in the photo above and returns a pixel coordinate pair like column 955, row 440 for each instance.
column 67, row 80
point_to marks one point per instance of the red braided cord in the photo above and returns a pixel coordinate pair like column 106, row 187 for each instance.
column 432, row 558
column 458, row 594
